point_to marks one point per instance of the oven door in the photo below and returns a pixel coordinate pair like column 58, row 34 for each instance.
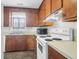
column 40, row 47
column 42, row 50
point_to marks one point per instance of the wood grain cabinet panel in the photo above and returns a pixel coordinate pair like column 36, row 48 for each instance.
column 42, row 11
column 45, row 9
column 20, row 42
column 30, row 42
column 56, row 4
column 6, row 17
column 53, row 54
column 48, row 7
column 32, row 19
column 10, row 43
column 69, row 9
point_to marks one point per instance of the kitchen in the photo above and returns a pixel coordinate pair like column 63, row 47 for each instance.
column 43, row 29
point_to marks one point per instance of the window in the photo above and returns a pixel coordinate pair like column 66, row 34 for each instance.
column 18, row 20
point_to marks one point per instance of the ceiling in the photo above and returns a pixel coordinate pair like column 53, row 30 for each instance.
column 22, row 3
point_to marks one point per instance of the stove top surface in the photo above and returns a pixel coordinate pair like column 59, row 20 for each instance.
column 49, row 38
column 45, row 36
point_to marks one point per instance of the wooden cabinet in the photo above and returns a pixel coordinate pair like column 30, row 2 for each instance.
column 42, row 11
column 68, row 7
column 31, row 15
column 32, row 18
column 10, row 43
column 42, row 14
column 53, row 54
column 48, row 7
column 56, row 4
column 6, row 17
column 31, row 42
column 69, row 10
column 20, row 42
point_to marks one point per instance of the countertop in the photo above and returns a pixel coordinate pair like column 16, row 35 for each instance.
column 66, row 48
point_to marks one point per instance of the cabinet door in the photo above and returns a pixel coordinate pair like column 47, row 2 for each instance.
column 35, row 20
column 42, row 10
column 32, row 19
column 69, row 9
column 56, row 4
column 52, row 54
column 20, row 42
column 10, row 43
column 42, row 13
column 30, row 42
column 48, row 6
column 6, row 17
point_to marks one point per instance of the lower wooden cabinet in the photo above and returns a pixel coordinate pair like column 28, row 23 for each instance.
column 10, row 43
column 30, row 42
column 53, row 54
column 20, row 42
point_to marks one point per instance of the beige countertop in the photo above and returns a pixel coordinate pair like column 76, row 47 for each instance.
column 66, row 48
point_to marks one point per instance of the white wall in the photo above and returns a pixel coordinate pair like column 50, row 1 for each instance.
column 2, row 14
column 72, row 25
column 69, row 24
column 2, row 38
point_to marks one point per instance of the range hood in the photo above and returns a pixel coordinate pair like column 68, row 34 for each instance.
column 54, row 17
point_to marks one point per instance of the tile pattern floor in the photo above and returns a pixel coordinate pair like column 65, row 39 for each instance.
column 20, row 55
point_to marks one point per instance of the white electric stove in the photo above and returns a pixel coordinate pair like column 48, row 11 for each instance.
column 42, row 47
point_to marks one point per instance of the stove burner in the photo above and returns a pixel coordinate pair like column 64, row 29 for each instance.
column 48, row 39
column 52, row 39
column 57, row 39
column 44, row 36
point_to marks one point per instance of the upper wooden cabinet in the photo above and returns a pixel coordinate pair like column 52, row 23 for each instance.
column 6, row 17
column 56, row 4
column 69, row 9
column 42, row 11
column 32, row 18
column 48, row 7
column 45, row 9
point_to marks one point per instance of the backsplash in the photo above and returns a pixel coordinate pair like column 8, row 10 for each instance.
column 26, row 31
column 65, row 25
